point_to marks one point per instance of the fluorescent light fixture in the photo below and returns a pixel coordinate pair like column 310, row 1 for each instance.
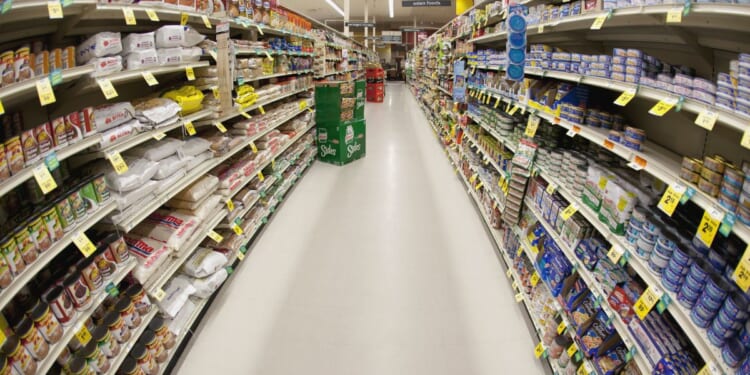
column 390, row 8
column 335, row 7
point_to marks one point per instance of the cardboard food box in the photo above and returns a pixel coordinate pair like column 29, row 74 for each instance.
column 339, row 101
column 341, row 143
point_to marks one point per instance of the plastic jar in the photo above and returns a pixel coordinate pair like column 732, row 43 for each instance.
column 161, row 330
column 19, row 357
column 60, row 304
column 78, row 291
column 117, row 327
column 45, row 322
column 149, row 339
column 107, row 344
column 130, row 367
column 139, row 298
column 31, row 339
column 144, row 359
column 95, row 358
column 127, row 311
column 78, row 366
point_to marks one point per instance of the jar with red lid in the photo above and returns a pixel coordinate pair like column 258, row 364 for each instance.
column 139, row 297
column 91, row 274
column 45, row 322
column 31, row 339
column 130, row 367
column 94, row 357
column 144, row 358
column 117, row 327
column 60, row 304
column 107, row 344
column 19, row 357
column 126, row 308
column 78, row 291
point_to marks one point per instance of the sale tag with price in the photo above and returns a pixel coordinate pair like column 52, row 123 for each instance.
column 539, row 350
column 190, row 73
column 259, row 29
column 709, row 225
column 572, row 349
column 246, row 115
column 551, row 188
column 220, row 126
column 159, row 136
column 647, row 301
column 674, row 15
column 609, row 145
column 745, row 141
column 253, row 147
column 663, row 106
column 534, row 279
column 742, row 272
column 710, row 369
column 230, row 205
column 54, row 8
column 184, row 17
column 206, row 21
column 561, row 327
column 149, row 78
column 625, row 97
column 118, row 163
column 671, row 198
column 44, row 91
column 107, row 89
column 189, row 128
column 2, row 109
column 262, row 111
column 215, row 236
column 152, row 15
column 531, row 126
column 240, row 255
column 540, row 29
column 44, row 178
column 615, row 253
column 575, row 130
column 706, row 119
column 569, row 211
column 519, row 297
column 236, row 228
column 497, row 102
column 638, row 163
column 159, row 294
column 598, row 22
column 302, row 105
column 84, row 244
column 83, row 335
column 514, row 110
column 261, row 177
column 129, row 15
column 583, row 369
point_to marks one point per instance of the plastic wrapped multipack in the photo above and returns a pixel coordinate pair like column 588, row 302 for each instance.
column 194, row 146
column 206, row 286
column 126, row 199
column 138, row 43
column 176, row 294
column 117, row 134
column 99, row 45
column 169, row 56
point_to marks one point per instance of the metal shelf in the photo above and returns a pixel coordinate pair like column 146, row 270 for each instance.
column 236, row 111
column 283, row 74
column 20, row 91
column 44, row 258
column 262, row 52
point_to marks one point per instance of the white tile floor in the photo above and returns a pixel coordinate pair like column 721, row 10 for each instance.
column 378, row 267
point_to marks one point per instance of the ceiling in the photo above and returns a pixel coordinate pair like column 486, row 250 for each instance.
column 403, row 16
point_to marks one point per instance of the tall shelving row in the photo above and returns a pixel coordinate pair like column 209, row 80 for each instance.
column 139, row 141
column 613, row 174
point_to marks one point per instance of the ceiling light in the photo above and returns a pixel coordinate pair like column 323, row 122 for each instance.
column 390, row 8
column 336, row 7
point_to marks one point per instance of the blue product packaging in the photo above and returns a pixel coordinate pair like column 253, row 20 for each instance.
column 733, row 352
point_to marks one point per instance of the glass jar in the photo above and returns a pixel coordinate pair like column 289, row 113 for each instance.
column 20, row 358
column 45, row 323
column 117, row 327
column 31, row 339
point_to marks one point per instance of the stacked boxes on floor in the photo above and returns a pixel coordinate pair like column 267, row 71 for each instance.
column 340, row 120
column 375, row 84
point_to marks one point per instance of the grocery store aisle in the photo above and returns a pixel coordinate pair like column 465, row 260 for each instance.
column 378, row 267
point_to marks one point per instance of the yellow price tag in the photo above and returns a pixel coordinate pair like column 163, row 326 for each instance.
column 625, row 97
column 561, row 327
column 236, row 228
column 531, row 126
column 262, row 111
column 709, row 226
column 302, row 105
column 741, row 273
column 253, row 147
column 184, row 18
column 240, row 255
column 215, row 236
column 220, row 126
column 129, row 15
column 671, row 198
column 497, row 102
column 539, row 349
column 534, row 279
column 2, row 109
column 572, row 349
column 615, row 253
column 83, row 243
column 540, row 29
column 246, row 115
column 190, row 73
column 514, row 110
column 598, row 22
column 662, row 107
column 159, row 136
column 508, row 272
column 159, row 294
column 551, row 188
column 582, row 370
column 709, row 369
column 117, row 162
column 215, row 91
column 259, row 29
column 647, row 301
column 519, row 297
column 54, row 8
column 152, row 15
column 107, row 89
column 473, row 178
column 479, row 186
column 745, row 141
column 261, row 177
column 706, row 119
column 609, row 145
column 44, row 91
column 674, row 15
column 190, row 128
column 534, row 250
column 569, row 211
column 83, row 335
column 44, row 178
column 206, row 21
column 230, row 205
column 149, row 78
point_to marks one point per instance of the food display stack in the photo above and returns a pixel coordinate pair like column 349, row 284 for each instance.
column 375, row 84
column 340, row 118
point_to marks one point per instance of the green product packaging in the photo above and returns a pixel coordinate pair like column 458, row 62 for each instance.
column 341, row 144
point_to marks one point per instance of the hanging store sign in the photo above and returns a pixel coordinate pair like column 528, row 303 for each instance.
column 360, row 24
column 426, row 3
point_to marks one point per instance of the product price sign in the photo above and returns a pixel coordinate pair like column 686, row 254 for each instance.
column 519, row 297
column 709, row 369
column 539, row 350
column 2, row 109
column 220, row 126
column 159, row 136
column 573, row 131
column 51, row 161
column 647, row 301
column 240, row 255
column 112, row 290
column 615, row 253
column 671, row 198
column 108, row 90
column 184, row 17
column 117, row 162
column 54, row 8
column 742, row 272
column 44, row 178
column 663, row 106
column 261, row 177
column 152, row 15
column 497, row 102
column 745, row 141
column 561, row 327
column 508, row 273
column 246, row 115
column 674, row 15
column 190, row 73
column 598, row 22
column 609, row 145
column 149, row 78
column 531, row 126
column 44, row 91
column 230, row 205
column 583, row 369
column 540, row 29
column 514, row 110
column 551, row 188
column 706, row 119
column 569, row 211
column 189, row 128
column 129, row 15
column 215, row 236
column 84, row 244
column 534, row 279
column 302, row 105
column 260, row 30
column 625, row 97
column 83, row 335
column 572, row 349
column 206, row 21
column 253, row 147
column 236, row 228
column 638, row 163
column 709, row 225
column 262, row 111
column 159, row 294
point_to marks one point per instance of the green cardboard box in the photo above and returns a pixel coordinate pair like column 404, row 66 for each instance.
column 340, row 101
column 341, row 143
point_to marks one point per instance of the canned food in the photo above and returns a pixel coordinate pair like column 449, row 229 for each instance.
column 19, row 357
column 735, row 305
column 14, row 154
column 100, row 188
column 60, row 304
column 52, row 221
column 91, row 274
column 691, row 164
column 45, row 322
column 715, row 338
column 40, row 236
column 78, row 366
column 105, row 261
column 715, row 164
column 161, row 330
column 58, row 132
column 734, row 177
column 118, row 247
column 708, row 188
column 25, row 243
column 7, row 262
column 117, row 327
column 78, row 291
column 65, row 214
column 5, row 367
column 77, row 205
column 152, row 343
column 689, row 176
column 87, row 193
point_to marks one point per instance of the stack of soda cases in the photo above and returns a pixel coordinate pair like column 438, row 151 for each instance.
column 340, row 121
column 375, row 84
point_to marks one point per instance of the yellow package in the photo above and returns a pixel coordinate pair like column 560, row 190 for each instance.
column 188, row 97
